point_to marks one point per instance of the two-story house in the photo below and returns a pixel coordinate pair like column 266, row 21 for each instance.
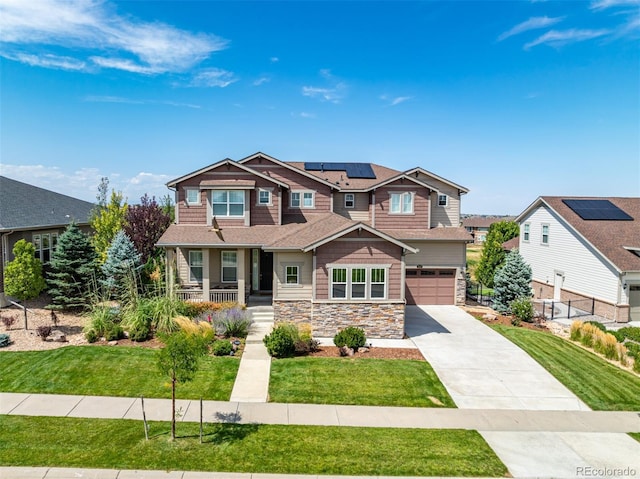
column 334, row 244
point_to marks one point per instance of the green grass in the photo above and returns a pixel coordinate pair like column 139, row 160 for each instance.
column 635, row 435
column 93, row 443
column 109, row 371
column 601, row 385
column 370, row 382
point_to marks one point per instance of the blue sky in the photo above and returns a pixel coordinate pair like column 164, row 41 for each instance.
column 512, row 99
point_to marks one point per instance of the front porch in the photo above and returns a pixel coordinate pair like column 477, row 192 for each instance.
column 218, row 294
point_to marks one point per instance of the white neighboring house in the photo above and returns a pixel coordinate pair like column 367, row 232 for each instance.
column 583, row 248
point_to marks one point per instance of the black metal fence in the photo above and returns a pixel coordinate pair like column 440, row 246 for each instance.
column 555, row 309
column 479, row 293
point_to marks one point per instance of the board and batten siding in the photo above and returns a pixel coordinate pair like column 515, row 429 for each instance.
column 302, row 291
column 450, row 254
column 585, row 271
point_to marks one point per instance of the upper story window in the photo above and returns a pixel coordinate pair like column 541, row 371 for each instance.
column 545, row 234
column 525, row 232
column 302, row 199
column 264, row 197
column 349, row 200
column 229, row 266
column 358, row 282
column 228, row 203
column 45, row 244
column 401, row 203
column 195, row 266
column 192, row 196
column 443, row 200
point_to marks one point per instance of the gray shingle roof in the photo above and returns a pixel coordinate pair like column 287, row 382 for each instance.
column 24, row 206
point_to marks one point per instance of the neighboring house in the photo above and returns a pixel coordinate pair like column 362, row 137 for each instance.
column 36, row 215
column 334, row 244
column 511, row 244
column 585, row 249
column 478, row 226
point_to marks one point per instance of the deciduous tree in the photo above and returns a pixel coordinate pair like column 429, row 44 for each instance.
column 106, row 222
column 493, row 255
column 23, row 276
column 144, row 224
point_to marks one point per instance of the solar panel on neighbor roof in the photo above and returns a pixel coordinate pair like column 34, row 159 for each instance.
column 597, row 210
column 353, row 170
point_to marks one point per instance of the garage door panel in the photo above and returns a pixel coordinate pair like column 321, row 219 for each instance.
column 430, row 286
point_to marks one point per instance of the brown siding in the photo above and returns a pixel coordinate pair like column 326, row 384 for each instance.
column 359, row 252
column 260, row 214
column 360, row 211
column 419, row 219
column 191, row 214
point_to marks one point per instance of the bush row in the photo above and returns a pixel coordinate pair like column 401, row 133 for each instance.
column 595, row 336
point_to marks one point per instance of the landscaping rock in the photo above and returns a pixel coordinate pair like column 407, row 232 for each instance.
column 345, row 351
column 490, row 317
column 58, row 336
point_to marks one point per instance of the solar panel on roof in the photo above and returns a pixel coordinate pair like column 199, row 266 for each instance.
column 353, row 170
column 597, row 210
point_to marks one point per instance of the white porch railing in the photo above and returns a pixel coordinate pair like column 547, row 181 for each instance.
column 215, row 295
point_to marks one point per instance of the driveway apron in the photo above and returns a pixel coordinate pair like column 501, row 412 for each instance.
column 480, row 368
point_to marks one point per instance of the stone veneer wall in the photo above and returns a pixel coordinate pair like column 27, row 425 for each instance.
column 461, row 288
column 601, row 308
column 379, row 320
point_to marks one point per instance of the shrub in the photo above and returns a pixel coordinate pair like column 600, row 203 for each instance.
column 636, row 364
column 9, row 321
column 575, row 330
column 522, row 308
column 631, row 332
column 113, row 332
column 101, row 318
column 587, row 334
column 350, row 337
column 605, row 344
column 44, row 332
column 139, row 332
column 222, row 348
column 163, row 310
column 192, row 309
column 633, row 350
column 232, row 323
column 618, row 335
column 90, row 335
column 5, row 340
column 515, row 321
column 198, row 328
column 598, row 325
column 306, row 346
column 281, row 342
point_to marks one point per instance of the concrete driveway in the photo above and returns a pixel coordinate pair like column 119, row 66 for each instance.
column 480, row 368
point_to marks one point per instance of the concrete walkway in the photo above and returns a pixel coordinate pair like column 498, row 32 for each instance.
column 480, row 368
column 252, row 380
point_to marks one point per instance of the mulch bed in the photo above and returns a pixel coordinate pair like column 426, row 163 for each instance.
column 373, row 353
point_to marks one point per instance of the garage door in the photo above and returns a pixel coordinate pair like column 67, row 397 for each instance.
column 430, row 286
column 634, row 302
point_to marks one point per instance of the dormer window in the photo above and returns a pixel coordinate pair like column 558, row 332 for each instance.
column 401, row 203
column 192, row 196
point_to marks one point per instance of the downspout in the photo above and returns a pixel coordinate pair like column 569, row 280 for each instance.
column 4, row 259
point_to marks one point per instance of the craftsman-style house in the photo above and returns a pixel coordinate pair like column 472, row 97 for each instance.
column 334, row 244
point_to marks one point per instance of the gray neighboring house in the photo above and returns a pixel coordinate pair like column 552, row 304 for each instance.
column 36, row 215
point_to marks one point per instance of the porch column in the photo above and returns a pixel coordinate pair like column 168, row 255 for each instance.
column 171, row 272
column 240, row 274
column 205, row 274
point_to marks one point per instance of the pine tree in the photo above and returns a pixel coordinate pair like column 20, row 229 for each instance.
column 23, row 276
column 512, row 281
column 122, row 257
column 72, row 268
column 144, row 224
column 493, row 255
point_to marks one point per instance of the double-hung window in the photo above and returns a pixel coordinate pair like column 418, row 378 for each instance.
column 264, row 197
column 378, row 284
column 195, row 266
column 292, row 274
column 339, row 283
column 545, row 234
column 358, row 282
column 442, row 200
column 349, row 200
column 229, row 266
column 401, row 203
column 302, row 199
column 192, row 196
column 45, row 245
column 525, row 232
column 228, row 203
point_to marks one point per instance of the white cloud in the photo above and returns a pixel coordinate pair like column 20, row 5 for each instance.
column 532, row 24
column 393, row 101
column 131, row 101
column 604, row 4
column 334, row 92
column 48, row 61
column 213, row 77
column 92, row 25
column 557, row 38
column 261, row 80
column 304, row 114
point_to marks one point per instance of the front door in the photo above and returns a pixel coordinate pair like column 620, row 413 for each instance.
column 266, row 271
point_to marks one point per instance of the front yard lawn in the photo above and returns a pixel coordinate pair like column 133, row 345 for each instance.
column 110, row 371
column 101, row 443
column 601, row 385
column 367, row 382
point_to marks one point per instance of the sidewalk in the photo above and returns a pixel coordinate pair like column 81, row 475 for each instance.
column 321, row 415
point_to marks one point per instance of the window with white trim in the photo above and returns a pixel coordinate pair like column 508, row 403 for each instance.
column 545, row 234
column 401, row 203
column 229, row 266
column 525, row 232
column 358, row 282
column 302, row 199
column 195, row 266
column 264, row 197
column 45, row 245
column 349, row 200
column 292, row 274
column 228, row 203
column 192, row 196
column 443, row 200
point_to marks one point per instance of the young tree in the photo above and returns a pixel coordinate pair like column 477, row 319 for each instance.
column 512, row 281
column 106, row 222
column 493, row 255
column 23, row 276
column 179, row 360
column 73, row 266
column 144, row 224
column 167, row 207
column 103, row 190
column 122, row 258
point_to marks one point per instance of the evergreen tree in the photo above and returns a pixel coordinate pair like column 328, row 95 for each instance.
column 122, row 257
column 73, row 266
column 512, row 281
column 144, row 224
column 106, row 221
column 493, row 255
column 23, row 276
